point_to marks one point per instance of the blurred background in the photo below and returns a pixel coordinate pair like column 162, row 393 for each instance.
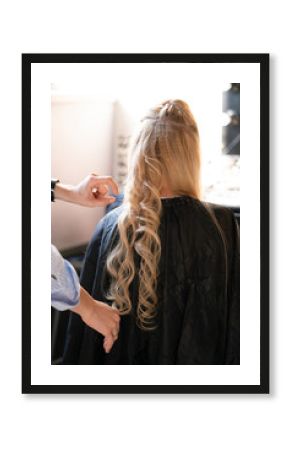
column 93, row 119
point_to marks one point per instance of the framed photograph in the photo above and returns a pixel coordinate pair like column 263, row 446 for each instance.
column 179, row 256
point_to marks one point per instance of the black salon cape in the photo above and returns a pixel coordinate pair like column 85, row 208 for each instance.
column 198, row 293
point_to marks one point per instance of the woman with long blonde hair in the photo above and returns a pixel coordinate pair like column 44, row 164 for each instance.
column 166, row 260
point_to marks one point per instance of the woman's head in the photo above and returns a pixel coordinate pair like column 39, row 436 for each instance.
column 166, row 151
column 165, row 158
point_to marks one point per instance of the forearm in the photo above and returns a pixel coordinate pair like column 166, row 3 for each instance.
column 65, row 192
column 85, row 305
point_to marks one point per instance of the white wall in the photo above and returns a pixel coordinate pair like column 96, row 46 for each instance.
column 81, row 144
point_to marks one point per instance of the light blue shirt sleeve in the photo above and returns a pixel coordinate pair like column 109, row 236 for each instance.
column 65, row 286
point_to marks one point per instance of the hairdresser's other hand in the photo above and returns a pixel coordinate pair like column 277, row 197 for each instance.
column 100, row 317
column 91, row 191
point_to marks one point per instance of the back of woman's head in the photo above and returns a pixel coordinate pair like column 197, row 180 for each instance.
column 166, row 150
column 165, row 158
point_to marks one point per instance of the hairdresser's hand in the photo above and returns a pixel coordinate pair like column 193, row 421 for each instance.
column 100, row 317
column 91, row 191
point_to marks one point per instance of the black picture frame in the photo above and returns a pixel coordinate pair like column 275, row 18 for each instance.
column 263, row 61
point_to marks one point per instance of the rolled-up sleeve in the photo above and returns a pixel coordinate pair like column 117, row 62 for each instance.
column 65, row 287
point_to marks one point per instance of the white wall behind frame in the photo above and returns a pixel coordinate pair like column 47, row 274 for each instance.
column 203, row 421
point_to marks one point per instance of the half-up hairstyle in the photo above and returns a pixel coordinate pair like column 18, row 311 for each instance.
column 165, row 153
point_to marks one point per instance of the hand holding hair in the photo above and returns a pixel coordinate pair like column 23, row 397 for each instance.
column 92, row 191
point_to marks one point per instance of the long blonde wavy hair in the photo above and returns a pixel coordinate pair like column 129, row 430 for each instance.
column 165, row 156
